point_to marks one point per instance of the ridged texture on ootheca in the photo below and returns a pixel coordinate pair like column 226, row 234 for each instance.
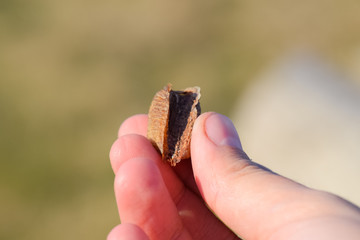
column 158, row 118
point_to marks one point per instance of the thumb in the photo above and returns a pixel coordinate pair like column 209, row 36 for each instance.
column 244, row 195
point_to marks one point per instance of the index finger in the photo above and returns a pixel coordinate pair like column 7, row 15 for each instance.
column 136, row 124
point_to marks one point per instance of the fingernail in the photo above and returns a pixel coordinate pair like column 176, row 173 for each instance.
column 222, row 131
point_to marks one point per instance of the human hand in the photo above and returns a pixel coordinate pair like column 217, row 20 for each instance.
column 156, row 201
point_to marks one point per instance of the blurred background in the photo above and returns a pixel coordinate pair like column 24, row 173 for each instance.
column 286, row 72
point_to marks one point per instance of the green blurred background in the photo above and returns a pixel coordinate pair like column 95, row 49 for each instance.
column 72, row 71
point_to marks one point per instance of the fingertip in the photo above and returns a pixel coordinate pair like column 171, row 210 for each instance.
column 136, row 124
column 131, row 146
column 200, row 123
column 114, row 155
column 221, row 131
column 200, row 146
column 213, row 136
column 218, row 128
column 127, row 231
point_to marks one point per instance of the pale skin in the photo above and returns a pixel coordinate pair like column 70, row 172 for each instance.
column 157, row 201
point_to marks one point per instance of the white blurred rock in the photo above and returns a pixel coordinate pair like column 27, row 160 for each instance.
column 302, row 120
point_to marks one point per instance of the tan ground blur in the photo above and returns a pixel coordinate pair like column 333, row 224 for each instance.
column 72, row 71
